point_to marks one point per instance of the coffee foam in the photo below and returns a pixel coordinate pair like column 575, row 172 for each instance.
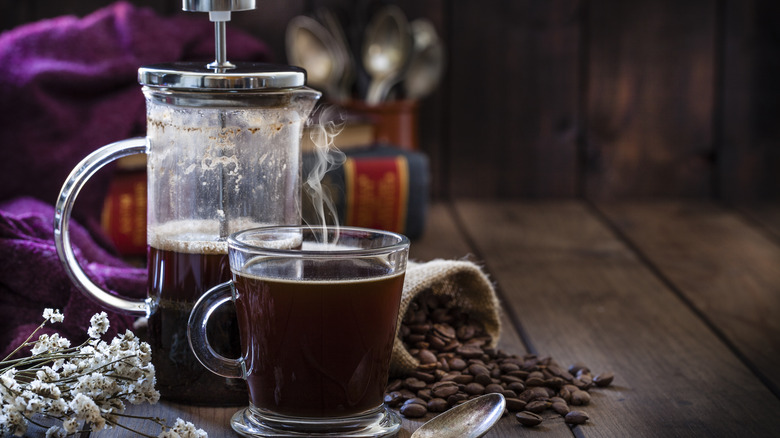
column 195, row 236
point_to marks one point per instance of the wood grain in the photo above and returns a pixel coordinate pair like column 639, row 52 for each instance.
column 748, row 158
column 582, row 294
column 514, row 98
column 728, row 271
column 650, row 98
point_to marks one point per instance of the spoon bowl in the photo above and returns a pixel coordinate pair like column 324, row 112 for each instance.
column 312, row 47
column 427, row 62
column 386, row 51
column 468, row 420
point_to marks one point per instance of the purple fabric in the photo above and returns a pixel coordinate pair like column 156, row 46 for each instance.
column 69, row 85
column 32, row 277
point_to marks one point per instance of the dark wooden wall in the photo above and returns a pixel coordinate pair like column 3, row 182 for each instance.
column 607, row 99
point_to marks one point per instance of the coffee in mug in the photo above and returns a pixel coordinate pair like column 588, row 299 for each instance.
column 316, row 318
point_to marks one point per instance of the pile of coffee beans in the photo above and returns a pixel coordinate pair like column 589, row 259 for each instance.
column 457, row 364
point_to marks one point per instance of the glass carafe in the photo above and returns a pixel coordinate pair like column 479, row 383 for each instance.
column 223, row 155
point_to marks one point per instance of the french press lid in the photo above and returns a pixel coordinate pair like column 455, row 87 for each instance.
column 221, row 75
column 243, row 76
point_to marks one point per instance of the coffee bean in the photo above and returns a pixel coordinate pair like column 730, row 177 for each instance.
column 444, row 389
column 464, row 379
column 426, row 356
column 517, row 387
column 580, row 398
column 394, row 398
column 437, row 405
column 466, row 332
column 474, row 389
column 483, row 379
column 576, row 417
column 457, row 398
column 494, row 387
column 577, row 367
column 515, row 404
column 478, row 370
column 426, row 377
column 528, row 419
column 603, row 379
column 537, row 406
column 425, row 394
column 446, row 331
column 457, row 364
column 436, row 342
column 413, row 384
column 560, row 407
column 469, row 352
column 413, row 410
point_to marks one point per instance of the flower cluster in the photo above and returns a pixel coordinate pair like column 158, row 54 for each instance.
column 83, row 387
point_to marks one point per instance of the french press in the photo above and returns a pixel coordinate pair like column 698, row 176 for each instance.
column 223, row 154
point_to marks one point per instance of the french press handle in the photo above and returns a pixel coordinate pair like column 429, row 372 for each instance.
column 70, row 190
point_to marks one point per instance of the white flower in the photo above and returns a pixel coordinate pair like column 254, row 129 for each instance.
column 71, row 425
column 57, row 407
column 185, row 429
column 98, row 325
column 53, row 344
column 53, row 315
column 8, row 380
column 89, row 384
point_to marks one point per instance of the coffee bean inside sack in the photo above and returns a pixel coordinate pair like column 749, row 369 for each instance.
column 458, row 364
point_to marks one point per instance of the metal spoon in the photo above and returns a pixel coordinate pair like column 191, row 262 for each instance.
column 468, row 420
column 311, row 46
column 427, row 61
column 386, row 51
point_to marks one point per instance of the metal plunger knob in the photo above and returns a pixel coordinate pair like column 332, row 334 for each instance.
column 219, row 12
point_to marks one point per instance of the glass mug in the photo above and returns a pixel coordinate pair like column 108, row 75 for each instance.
column 317, row 311
column 223, row 154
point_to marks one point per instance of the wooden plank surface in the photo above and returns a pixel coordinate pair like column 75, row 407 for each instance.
column 766, row 215
column 582, row 294
column 726, row 269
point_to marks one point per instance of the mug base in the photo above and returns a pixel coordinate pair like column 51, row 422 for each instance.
column 251, row 423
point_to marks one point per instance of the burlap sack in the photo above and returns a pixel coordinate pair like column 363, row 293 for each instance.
column 470, row 288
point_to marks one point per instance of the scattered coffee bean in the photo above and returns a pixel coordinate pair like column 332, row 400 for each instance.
column 580, row 398
column 437, row 405
column 604, row 379
column 560, row 407
column 576, row 417
column 537, row 406
column 528, row 419
column 456, row 364
column 413, row 410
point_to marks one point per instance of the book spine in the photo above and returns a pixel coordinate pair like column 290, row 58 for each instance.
column 384, row 188
column 124, row 212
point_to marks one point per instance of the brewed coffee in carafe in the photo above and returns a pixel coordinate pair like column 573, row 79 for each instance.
column 223, row 154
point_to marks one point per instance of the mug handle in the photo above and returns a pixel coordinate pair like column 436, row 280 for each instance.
column 73, row 185
column 199, row 341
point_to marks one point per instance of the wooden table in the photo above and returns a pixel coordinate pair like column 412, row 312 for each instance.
column 681, row 300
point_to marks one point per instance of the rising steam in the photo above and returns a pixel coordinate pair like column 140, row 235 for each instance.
column 327, row 124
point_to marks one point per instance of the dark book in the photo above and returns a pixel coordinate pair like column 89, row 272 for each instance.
column 379, row 187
